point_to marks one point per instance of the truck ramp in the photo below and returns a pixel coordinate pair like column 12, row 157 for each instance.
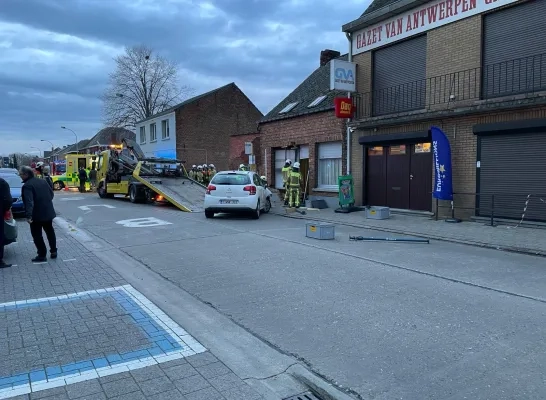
column 183, row 193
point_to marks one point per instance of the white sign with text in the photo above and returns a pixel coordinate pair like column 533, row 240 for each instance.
column 342, row 75
column 421, row 19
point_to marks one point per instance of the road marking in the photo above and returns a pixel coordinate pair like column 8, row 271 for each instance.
column 143, row 222
column 71, row 198
column 38, row 263
column 70, row 259
column 88, row 208
column 168, row 341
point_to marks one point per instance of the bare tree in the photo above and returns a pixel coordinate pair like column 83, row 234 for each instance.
column 143, row 84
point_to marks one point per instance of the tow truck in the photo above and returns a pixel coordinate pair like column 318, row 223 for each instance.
column 128, row 172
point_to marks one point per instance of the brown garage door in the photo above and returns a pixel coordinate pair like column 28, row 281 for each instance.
column 511, row 168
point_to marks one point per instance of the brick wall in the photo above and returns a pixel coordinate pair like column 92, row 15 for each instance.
column 204, row 127
column 303, row 130
column 237, row 154
column 463, row 153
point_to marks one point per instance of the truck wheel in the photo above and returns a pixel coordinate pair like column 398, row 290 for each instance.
column 133, row 194
column 102, row 192
column 209, row 214
column 58, row 185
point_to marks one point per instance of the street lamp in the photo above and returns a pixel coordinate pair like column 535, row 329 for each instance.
column 52, row 147
column 39, row 151
column 68, row 129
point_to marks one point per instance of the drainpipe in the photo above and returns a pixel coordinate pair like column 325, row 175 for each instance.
column 350, row 59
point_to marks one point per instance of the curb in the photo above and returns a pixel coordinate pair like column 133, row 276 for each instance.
column 510, row 249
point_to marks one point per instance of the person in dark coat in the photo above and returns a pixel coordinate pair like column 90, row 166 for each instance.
column 82, row 176
column 5, row 205
column 39, row 211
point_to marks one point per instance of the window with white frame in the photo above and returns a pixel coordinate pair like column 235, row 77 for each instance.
column 142, row 134
column 329, row 165
column 153, row 133
column 165, row 134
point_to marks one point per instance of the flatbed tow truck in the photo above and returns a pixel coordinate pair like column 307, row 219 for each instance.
column 147, row 180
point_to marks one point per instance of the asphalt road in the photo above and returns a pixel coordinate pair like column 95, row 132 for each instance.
column 387, row 320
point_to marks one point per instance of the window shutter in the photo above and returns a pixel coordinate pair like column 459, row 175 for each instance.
column 330, row 150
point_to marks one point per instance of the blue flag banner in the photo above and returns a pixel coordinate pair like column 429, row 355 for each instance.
column 441, row 150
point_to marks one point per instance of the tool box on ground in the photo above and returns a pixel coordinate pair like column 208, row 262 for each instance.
column 378, row 212
column 320, row 230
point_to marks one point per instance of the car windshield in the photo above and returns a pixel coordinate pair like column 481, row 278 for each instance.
column 13, row 180
column 231, row 179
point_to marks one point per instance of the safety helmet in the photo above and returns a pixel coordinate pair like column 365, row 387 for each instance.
column 288, row 161
column 242, row 166
column 204, row 165
column 212, row 166
column 39, row 164
column 194, row 166
column 263, row 178
column 296, row 165
column 199, row 167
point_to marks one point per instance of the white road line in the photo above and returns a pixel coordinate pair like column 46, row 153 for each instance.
column 70, row 259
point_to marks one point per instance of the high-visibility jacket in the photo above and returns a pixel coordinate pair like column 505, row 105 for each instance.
column 212, row 172
column 285, row 173
column 294, row 180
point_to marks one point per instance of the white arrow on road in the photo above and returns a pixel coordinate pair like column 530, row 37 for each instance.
column 88, row 208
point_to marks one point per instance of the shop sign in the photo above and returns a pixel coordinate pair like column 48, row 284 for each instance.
column 421, row 19
column 343, row 107
column 342, row 75
column 346, row 190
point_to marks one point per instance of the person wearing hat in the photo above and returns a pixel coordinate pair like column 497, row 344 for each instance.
column 285, row 176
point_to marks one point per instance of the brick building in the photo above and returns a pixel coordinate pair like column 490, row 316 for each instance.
column 476, row 69
column 303, row 128
column 198, row 130
column 237, row 155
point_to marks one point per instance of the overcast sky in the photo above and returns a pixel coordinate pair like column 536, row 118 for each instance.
column 55, row 55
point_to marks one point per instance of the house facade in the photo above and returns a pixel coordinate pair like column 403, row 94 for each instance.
column 198, row 130
column 303, row 127
column 474, row 68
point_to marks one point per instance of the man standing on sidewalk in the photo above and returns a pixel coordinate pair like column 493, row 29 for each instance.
column 93, row 179
column 39, row 210
column 5, row 205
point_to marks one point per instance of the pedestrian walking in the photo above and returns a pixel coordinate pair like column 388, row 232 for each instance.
column 39, row 211
column 93, row 178
column 82, row 176
column 5, row 205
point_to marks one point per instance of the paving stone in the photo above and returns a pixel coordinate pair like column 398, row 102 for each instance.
column 205, row 394
column 120, row 387
column 241, row 393
column 144, row 374
column 198, row 360
column 155, row 386
column 227, row 381
column 170, row 395
column 191, row 384
column 180, row 371
column 58, row 391
column 214, row 369
column 83, row 389
column 130, row 396
column 173, row 363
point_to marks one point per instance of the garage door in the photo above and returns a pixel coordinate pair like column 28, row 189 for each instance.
column 512, row 167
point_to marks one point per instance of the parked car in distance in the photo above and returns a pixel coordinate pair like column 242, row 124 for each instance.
column 9, row 171
column 237, row 192
column 16, row 187
column 10, row 228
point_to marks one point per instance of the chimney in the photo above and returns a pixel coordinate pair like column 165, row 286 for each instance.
column 327, row 55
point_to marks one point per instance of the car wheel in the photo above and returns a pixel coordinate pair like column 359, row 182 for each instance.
column 267, row 206
column 58, row 185
column 209, row 214
column 256, row 213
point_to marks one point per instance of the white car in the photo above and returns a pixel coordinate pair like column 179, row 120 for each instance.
column 235, row 192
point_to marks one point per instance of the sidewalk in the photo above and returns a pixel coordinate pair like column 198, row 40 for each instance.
column 72, row 328
column 520, row 239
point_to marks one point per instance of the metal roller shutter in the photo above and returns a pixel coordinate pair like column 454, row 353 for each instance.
column 514, row 50
column 399, row 76
column 330, row 150
column 512, row 167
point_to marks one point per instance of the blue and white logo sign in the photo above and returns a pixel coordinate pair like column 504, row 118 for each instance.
column 342, row 76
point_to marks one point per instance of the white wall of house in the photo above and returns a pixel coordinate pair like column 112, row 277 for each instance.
column 163, row 144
